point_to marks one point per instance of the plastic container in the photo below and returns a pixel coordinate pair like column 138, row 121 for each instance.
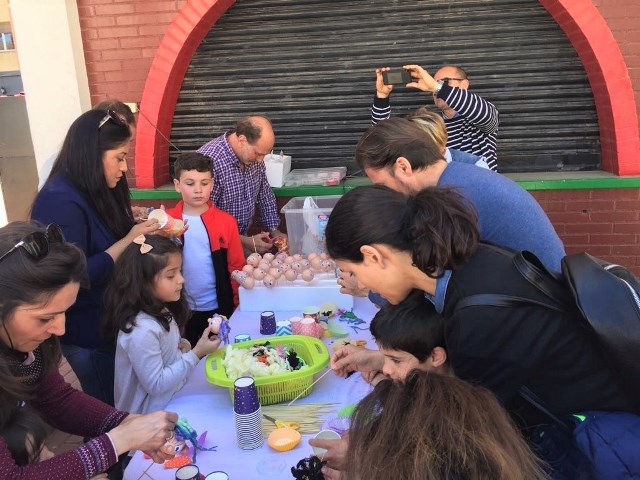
column 315, row 176
column 281, row 387
column 306, row 225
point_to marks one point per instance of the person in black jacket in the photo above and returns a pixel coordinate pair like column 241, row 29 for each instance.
column 393, row 244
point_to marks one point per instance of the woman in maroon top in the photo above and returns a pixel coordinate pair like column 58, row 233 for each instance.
column 40, row 275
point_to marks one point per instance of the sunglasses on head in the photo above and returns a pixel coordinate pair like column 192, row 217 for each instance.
column 36, row 244
column 114, row 117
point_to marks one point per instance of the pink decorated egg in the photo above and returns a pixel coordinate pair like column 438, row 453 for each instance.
column 268, row 281
column 324, row 256
column 291, row 275
column 297, row 257
column 214, row 323
column 275, row 272
column 281, row 256
column 307, row 275
column 316, row 263
column 288, row 260
column 311, row 256
column 254, row 259
column 248, row 269
column 297, row 266
column 276, row 262
column 259, row 274
column 264, row 265
column 240, row 276
column 268, row 256
column 285, row 267
column 305, row 263
column 249, row 283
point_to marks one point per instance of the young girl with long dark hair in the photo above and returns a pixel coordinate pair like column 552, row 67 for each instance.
column 146, row 310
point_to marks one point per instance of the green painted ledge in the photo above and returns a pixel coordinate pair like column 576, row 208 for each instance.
column 529, row 181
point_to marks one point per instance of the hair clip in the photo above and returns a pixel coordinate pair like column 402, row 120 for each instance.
column 144, row 247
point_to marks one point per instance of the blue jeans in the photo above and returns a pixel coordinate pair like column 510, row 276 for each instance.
column 94, row 367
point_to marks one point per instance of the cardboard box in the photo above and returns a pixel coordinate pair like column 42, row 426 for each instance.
column 278, row 166
column 296, row 295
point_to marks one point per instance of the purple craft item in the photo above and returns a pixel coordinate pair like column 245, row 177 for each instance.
column 245, row 396
column 222, row 323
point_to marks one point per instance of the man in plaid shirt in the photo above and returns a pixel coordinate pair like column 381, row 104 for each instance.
column 240, row 179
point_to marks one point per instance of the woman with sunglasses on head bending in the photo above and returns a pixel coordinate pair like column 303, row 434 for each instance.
column 40, row 276
column 88, row 196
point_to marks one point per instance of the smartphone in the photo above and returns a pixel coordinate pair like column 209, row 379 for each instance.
column 397, row 77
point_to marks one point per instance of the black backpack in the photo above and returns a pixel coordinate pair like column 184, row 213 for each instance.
column 607, row 296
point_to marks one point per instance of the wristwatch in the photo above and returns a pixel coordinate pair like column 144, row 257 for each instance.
column 438, row 87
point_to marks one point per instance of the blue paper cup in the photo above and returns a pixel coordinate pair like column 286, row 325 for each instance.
column 245, row 396
column 283, row 327
column 241, row 337
column 267, row 323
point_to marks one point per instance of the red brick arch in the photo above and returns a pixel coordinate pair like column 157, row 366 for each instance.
column 580, row 20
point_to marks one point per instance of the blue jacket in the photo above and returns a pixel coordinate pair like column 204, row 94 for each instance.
column 59, row 202
column 611, row 441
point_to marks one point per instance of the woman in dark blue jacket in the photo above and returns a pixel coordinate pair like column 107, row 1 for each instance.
column 88, row 196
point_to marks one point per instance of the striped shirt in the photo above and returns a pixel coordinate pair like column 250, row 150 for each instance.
column 238, row 191
column 474, row 128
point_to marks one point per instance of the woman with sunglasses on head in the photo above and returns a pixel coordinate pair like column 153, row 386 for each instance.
column 88, row 196
column 40, row 276
column 394, row 244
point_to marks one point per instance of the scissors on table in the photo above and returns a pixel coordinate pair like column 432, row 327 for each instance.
column 282, row 423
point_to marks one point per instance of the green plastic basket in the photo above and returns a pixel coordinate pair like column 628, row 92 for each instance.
column 281, row 387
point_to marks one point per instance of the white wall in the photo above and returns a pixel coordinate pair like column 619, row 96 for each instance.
column 49, row 45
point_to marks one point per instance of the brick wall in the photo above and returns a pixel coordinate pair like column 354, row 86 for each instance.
column 604, row 223
column 623, row 18
column 120, row 39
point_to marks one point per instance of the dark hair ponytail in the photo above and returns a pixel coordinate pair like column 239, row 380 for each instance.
column 437, row 226
column 443, row 229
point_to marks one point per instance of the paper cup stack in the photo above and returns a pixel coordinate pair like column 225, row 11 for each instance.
column 247, row 413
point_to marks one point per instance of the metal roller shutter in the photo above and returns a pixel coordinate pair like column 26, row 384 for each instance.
column 308, row 65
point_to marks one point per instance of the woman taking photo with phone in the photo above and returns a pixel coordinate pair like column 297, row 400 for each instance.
column 40, row 275
column 88, row 196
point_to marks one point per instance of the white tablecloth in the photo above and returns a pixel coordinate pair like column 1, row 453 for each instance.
column 208, row 407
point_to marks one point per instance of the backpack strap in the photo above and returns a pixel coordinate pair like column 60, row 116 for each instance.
column 533, row 400
column 537, row 275
column 496, row 300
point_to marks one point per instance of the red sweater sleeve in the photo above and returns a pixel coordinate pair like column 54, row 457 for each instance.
column 235, row 254
column 82, row 463
column 73, row 411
